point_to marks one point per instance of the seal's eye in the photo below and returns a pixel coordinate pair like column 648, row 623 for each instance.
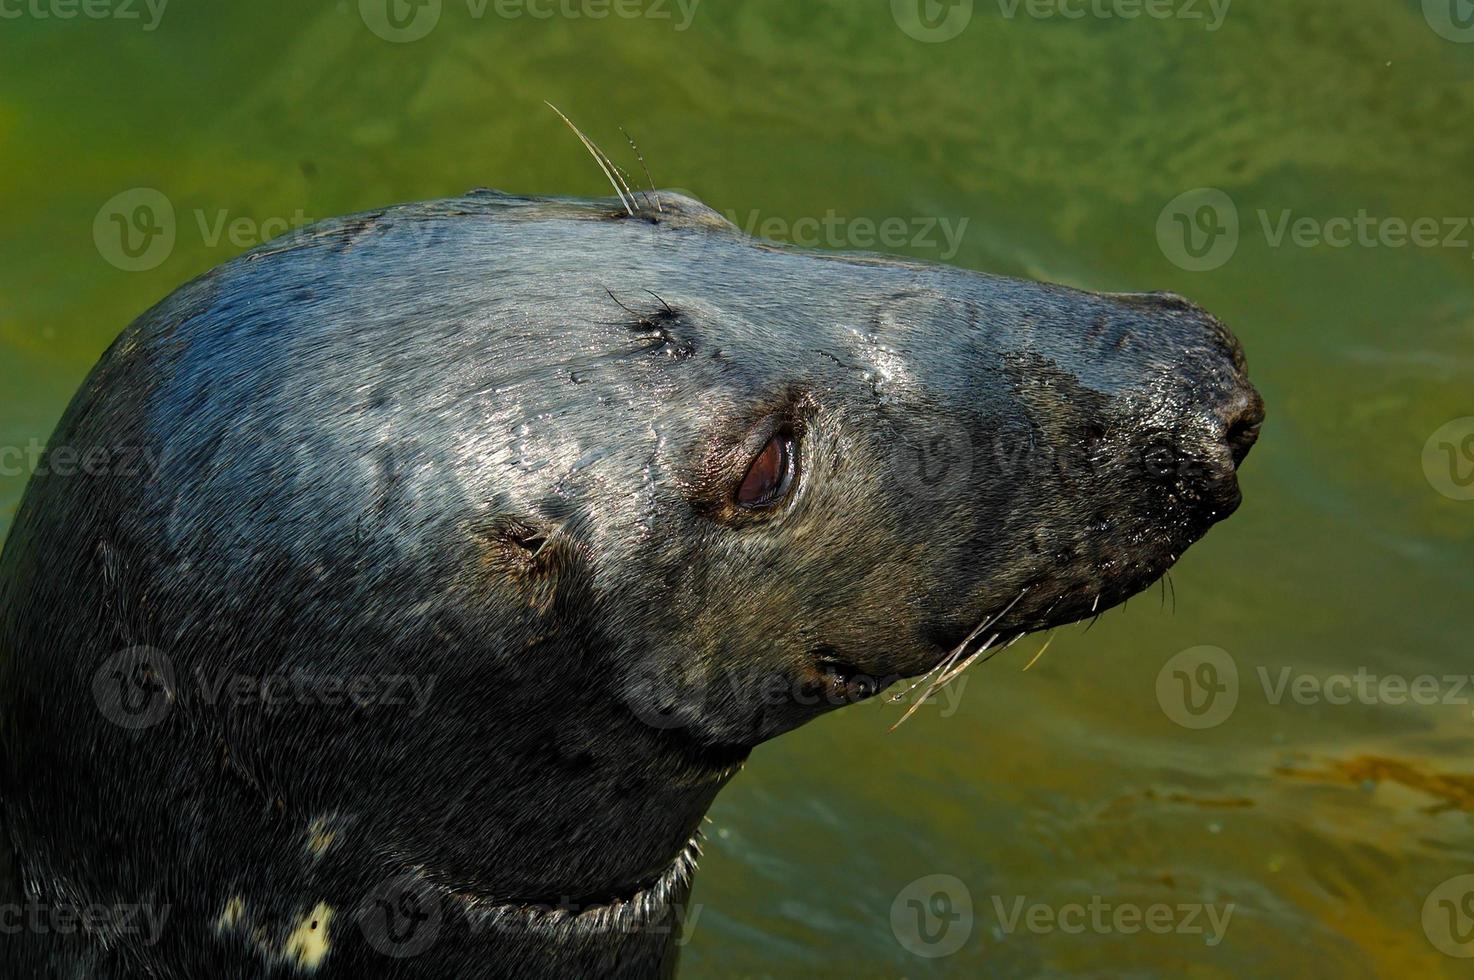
column 770, row 475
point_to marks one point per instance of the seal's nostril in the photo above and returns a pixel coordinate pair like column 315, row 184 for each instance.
column 1241, row 436
column 1243, row 428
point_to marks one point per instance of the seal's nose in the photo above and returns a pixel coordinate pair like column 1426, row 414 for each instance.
column 1242, row 419
column 1222, row 411
column 1228, row 432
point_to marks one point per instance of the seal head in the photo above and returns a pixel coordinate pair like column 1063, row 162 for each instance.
column 472, row 545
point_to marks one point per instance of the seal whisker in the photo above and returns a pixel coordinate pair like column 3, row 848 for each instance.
column 643, row 320
column 942, row 664
column 946, row 664
column 1047, row 641
column 948, row 677
column 1005, row 646
column 956, row 673
column 931, row 689
column 951, row 657
column 600, row 157
column 951, row 675
column 662, row 302
column 654, row 194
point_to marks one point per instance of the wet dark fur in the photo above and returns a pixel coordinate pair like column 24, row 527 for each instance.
column 491, row 443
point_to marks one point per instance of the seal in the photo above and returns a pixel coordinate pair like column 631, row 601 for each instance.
column 428, row 572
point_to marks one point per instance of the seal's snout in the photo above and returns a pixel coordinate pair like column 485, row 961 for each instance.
column 1137, row 413
column 1225, row 413
column 1228, row 435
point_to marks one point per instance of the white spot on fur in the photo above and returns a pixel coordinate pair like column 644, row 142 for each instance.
column 234, row 911
column 320, row 838
column 304, row 948
column 308, row 944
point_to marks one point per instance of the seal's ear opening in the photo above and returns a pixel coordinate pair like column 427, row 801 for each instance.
column 527, row 559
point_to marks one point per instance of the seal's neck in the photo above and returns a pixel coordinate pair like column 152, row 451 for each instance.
column 574, row 852
column 637, row 935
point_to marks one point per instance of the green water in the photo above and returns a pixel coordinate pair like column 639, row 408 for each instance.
column 1326, row 827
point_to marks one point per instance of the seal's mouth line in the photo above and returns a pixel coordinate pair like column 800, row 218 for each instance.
column 634, row 907
column 953, row 663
